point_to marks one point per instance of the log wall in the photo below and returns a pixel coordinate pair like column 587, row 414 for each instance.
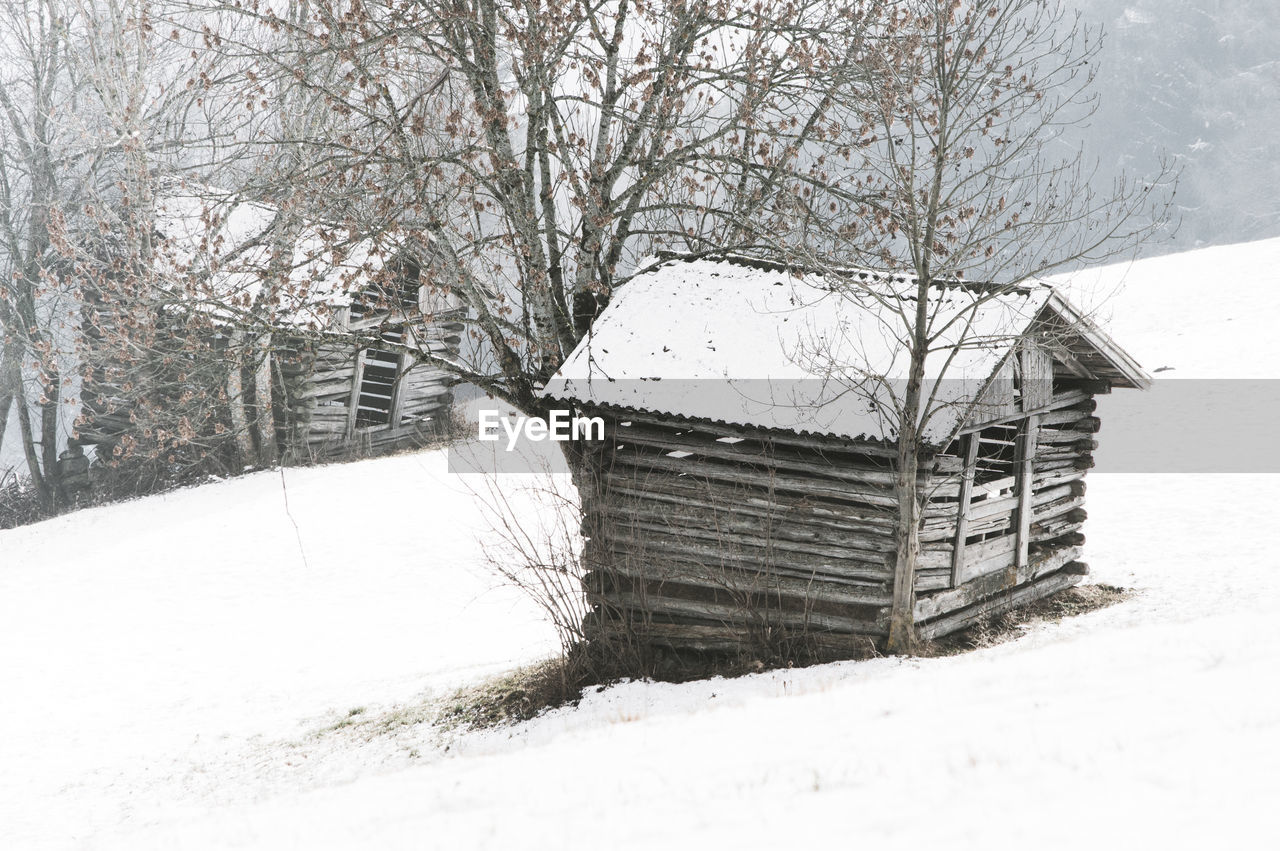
column 716, row 537
column 317, row 396
column 324, row 384
column 712, row 536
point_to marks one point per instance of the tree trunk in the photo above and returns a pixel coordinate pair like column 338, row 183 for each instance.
column 8, row 388
column 29, row 450
column 902, row 621
column 264, row 422
column 49, row 437
column 235, row 400
column 902, row 628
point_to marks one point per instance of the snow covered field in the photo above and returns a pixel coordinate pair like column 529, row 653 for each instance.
column 179, row 672
column 149, row 651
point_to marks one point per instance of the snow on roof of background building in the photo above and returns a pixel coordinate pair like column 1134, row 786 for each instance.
column 219, row 234
column 741, row 343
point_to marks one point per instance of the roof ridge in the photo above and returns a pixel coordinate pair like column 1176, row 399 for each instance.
column 664, row 257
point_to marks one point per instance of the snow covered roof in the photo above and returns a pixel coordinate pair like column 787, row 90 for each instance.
column 757, row 345
column 227, row 240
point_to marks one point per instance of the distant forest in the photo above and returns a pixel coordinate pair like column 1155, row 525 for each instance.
column 1199, row 81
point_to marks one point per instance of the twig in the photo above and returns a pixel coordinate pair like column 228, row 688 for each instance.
column 284, row 489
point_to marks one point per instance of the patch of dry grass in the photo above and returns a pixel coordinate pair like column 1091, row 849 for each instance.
column 529, row 691
column 516, row 696
column 997, row 629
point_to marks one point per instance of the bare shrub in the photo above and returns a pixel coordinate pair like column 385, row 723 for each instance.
column 20, row 502
column 555, row 545
column 536, row 545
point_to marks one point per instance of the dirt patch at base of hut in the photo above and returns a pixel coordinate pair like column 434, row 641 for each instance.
column 533, row 689
column 516, row 696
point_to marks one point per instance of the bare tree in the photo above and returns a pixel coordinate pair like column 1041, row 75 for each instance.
column 538, row 150
column 39, row 170
column 154, row 368
column 958, row 174
column 97, row 105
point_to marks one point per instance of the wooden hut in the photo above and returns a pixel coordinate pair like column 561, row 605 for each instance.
column 345, row 396
column 336, row 391
column 744, row 493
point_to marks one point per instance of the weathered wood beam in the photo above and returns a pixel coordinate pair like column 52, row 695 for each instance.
column 607, row 559
column 1072, row 418
column 764, row 580
column 728, row 639
column 756, row 537
column 735, row 613
column 754, row 455
column 682, row 494
column 764, row 528
column 1069, row 399
column 846, row 491
column 659, row 547
column 1026, row 476
column 988, row 585
column 820, row 443
column 971, row 443
column 353, row 398
column 1036, row 590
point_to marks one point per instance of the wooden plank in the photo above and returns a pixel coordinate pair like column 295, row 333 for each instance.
column 403, row 365
column 608, row 559
column 849, row 569
column 683, row 493
column 737, row 536
column 993, row 507
column 929, row 580
column 997, row 399
column 756, row 456
column 333, row 390
column 738, row 614
column 1022, row 595
column 1071, row 418
column 763, row 580
column 1064, row 531
column 764, row 529
column 1026, row 473
column 353, row 398
column 991, row 555
column 820, row 443
column 1067, row 399
column 1037, row 376
column 1070, row 506
column 719, row 638
column 867, row 494
column 651, row 544
column 962, row 509
column 343, row 373
column 980, row 588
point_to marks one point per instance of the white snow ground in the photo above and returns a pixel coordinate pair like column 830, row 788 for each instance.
column 173, row 675
column 149, row 649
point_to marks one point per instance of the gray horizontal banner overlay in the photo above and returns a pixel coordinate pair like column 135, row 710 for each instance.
column 1177, row 426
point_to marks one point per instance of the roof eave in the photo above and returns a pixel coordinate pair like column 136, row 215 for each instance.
column 1132, row 372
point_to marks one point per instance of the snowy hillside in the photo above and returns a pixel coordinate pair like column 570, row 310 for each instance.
column 1206, row 314
column 140, row 643
column 1203, row 323
column 181, row 671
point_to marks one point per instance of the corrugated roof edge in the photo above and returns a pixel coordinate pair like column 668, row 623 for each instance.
column 665, row 258
column 882, row 443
